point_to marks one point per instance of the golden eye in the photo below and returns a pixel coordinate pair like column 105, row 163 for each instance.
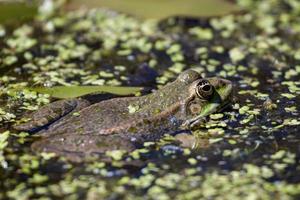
column 204, row 89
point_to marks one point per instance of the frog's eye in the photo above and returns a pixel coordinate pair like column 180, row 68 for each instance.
column 204, row 89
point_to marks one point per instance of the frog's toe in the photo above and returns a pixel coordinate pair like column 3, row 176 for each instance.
column 194, row 123
column 197, row 123
column 191, row 141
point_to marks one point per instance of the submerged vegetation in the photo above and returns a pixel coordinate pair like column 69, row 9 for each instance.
column 250, row 151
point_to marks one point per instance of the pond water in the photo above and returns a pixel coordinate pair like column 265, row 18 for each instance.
column 252, row 149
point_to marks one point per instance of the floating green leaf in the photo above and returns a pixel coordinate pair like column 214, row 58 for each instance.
column 14, row 10
column 160, row 9
column 63, row 92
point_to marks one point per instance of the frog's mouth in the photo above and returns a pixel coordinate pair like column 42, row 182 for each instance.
column 214, row 107
column 207, row 110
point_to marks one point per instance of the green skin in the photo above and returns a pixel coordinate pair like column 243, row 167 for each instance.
column 75, row 128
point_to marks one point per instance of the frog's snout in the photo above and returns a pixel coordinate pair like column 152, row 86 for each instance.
column 224, row 87
column 220, row 83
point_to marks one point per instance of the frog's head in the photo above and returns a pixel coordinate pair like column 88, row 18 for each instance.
column 207, row 95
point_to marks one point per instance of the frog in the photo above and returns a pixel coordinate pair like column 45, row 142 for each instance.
column 77, row 128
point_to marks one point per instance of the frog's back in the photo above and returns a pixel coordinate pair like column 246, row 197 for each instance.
column 152, row 113
column 111, row 117
column 94, row 119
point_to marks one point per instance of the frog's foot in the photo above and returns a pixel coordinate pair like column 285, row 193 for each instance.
column 194, row 122
column 50, row 113
column 190, row 141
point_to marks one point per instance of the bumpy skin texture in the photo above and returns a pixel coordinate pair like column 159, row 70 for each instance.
column 110, row 125
column 51, row 113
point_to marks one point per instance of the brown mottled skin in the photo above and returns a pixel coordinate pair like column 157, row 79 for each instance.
column 109, row 124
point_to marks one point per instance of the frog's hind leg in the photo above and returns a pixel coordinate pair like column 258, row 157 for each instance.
column 83, row 146
column 50, row 113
